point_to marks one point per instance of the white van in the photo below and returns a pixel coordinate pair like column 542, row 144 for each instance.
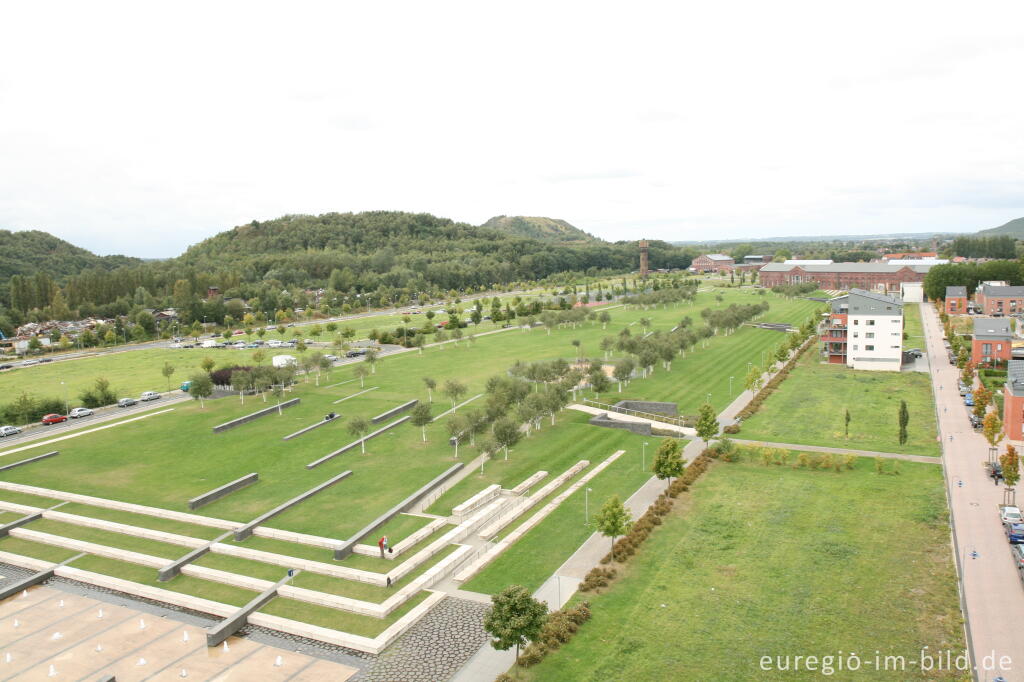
column 283, row 360
column 149, row 395
column 273, row 343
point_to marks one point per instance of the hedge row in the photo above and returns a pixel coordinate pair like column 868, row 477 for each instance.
column 558, row 630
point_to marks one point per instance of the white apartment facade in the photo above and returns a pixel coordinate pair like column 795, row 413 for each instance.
column 874, row 323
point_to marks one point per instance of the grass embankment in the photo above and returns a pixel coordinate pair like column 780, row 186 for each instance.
column 809, row 409
column 766, row 561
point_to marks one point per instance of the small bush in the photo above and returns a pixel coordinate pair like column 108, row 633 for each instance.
column 731, row 429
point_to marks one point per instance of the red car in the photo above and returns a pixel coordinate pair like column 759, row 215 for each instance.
column 54, row 419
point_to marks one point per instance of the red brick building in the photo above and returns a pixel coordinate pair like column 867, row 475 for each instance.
column 991, row 343
column 955, row 302
column 712, row 262
column 999, row 300
column 1013, row 401
column 869, row 276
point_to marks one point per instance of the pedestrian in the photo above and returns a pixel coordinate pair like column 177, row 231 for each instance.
column 387, row 543
column 389, row 581
column 951, row 438
column 380, row 545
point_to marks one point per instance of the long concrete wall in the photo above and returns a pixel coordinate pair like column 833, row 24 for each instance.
column 640, row 428
column 226, row 489
column 317, row 425
column 29, row 460
column 184, row 517
column 246, row 530
column 392, row 412
column 220, row 428
column 346, row 548
column 346, row 448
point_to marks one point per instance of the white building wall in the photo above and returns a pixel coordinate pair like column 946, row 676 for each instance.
column 875, row 342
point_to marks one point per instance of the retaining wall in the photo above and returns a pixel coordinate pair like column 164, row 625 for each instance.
column 354, row 443
column 121, row 506
column 30, row 460
column 529, row 483
column 640, row 428
column 392, row 412
column 400, row 548
column 246, row 530
column 226, row 489
column 346, row 548
column 255, row 415
column 652, row 406
column 323, row 422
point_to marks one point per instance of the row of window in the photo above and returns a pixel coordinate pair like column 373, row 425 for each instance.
column 871, row 347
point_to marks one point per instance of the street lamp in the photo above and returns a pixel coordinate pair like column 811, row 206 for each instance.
column 586, row 506
column 643, row 457
column 730, row 386
column 65, row 388
column 709, row 398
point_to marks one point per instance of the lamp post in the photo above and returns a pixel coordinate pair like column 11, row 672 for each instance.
column 730, row 386
column 65, row 389
column 709, row 398
column 643, row 457
column 586, row 506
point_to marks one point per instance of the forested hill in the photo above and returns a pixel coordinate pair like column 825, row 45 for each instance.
column 1014, row 228
column 32, row 251
column 405, row 250
column 546, row 229
column 358, row 258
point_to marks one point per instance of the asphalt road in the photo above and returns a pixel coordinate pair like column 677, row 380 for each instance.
column 100, row 416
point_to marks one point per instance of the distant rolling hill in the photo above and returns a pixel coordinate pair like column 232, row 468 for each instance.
column 1014, row 228
column 30, row 251
column 546, row 229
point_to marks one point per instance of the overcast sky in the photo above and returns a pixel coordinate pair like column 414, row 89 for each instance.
column 138, row 129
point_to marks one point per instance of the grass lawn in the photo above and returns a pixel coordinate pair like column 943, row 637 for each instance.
column 166, row 460
column 912, row 327
column 808, row 409
column 206, row 589
column 365, row 626
column 539, row 553
column 774, row 561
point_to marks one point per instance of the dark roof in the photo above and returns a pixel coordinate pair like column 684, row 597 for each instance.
column 997, row 328
column 956, row 292
column 989, row 290
column 1015, row 376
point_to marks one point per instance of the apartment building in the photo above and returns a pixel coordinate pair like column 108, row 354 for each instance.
column 864, row 330
column 991, row 344
column 955, row 302
column 995, row 298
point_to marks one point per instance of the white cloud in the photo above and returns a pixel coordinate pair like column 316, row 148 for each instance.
column 127, row 127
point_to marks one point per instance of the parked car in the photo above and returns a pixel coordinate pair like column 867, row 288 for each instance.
column 1010, row 514
column 149, row 395
column 53, row 418
column 308, row 341
column 79, row 412
column 5, row 366
column 29, row 363
column 964, row 388
column 126, row 402
column 976, row 421
column 332, row 358
column 9, row 431
column 45, row 359
column 969, row 400
column 1014, row 532
column 916, row 352
column 175, row 345
column 1017, row 552
column 355, row 353
column 185, row 385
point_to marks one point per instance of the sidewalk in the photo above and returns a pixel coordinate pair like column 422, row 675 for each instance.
column 842, row 451
column 991, row 587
